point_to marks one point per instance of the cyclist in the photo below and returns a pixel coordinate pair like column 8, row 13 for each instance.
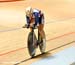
column 35, row 17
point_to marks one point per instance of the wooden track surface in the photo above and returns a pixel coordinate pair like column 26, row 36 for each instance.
column 59, row 28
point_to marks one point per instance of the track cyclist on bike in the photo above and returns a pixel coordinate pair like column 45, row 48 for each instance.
column 35, row 17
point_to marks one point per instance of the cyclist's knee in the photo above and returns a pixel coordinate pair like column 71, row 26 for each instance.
column 40, row 27
column 41, row 31
column 30, row 29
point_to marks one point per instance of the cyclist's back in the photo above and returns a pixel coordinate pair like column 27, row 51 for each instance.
column 37, row 16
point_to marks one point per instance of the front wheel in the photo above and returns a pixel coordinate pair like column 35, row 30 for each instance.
column 31, row 41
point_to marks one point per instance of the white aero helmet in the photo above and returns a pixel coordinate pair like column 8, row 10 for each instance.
column 29, row 11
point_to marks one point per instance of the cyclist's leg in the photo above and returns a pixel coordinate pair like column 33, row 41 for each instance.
column 30, row 29
column 41, row 31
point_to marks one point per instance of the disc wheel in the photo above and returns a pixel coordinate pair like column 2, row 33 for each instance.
column 32, row 40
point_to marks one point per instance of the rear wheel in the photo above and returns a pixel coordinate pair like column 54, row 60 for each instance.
column 31, row 42
column 42, row 45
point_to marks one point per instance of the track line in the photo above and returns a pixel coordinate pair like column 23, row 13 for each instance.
column 12, row 51
column 10, row 29
column 61, row 36
column 4, row 1
column 47, row 41
column 46, row 23
column 45, row 52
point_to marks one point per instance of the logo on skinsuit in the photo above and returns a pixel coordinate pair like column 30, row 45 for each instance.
column 73, row 63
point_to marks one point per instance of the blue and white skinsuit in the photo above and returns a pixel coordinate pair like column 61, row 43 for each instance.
column 38, row 18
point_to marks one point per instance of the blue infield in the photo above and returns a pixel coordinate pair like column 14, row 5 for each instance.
column 64, row 57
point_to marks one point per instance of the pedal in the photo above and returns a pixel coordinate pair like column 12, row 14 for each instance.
column 38, row 43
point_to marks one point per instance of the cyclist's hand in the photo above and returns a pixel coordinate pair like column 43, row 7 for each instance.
column 23, row 27
column 26, row 26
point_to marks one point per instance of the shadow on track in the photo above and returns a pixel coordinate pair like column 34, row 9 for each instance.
column 46, row 54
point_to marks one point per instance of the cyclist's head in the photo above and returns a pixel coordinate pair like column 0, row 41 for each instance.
column 29, row 11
